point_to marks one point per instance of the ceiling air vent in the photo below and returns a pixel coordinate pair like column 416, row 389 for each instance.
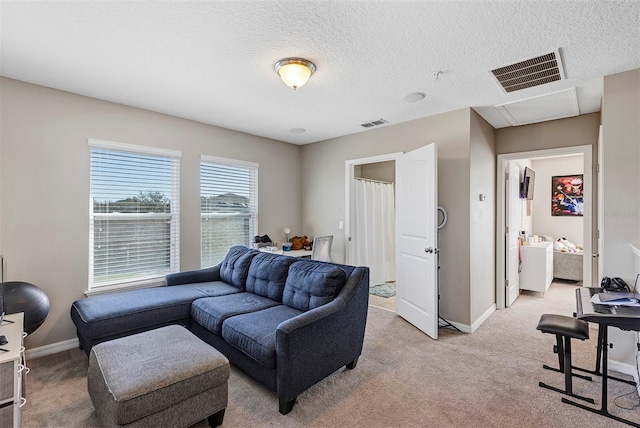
column 373, row 123
column 531, row 72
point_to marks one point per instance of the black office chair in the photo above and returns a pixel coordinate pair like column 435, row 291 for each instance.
column 565, row 328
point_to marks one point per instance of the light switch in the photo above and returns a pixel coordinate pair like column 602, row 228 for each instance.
column 341, row 225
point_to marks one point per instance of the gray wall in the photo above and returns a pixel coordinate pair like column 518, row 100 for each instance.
column 381, row 171
column 324, row 186
column 45, row 185
column 572, row 131
column 621, row 169
column 482, row 246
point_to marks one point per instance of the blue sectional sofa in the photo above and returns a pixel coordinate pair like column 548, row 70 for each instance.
column 286, row 322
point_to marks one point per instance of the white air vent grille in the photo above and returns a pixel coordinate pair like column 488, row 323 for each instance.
column 373, row 123
column 532, row 72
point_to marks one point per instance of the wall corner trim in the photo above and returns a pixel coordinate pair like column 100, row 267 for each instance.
column 482, row 318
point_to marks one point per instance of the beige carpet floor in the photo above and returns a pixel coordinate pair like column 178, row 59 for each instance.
column 403, row 379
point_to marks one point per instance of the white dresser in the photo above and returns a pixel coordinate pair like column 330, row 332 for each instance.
column 537, row 267
column 12, row 371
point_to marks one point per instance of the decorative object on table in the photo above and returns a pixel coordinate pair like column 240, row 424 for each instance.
column 300, row 242
column 388, row 289
column 287, row 231
column 24, row 297
column 286, row 246
column 262, row 241
column 567, row 195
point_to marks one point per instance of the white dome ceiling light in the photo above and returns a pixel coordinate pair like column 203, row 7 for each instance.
column 294, row 72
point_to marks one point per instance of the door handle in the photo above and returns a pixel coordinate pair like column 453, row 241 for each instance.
column 432, row 250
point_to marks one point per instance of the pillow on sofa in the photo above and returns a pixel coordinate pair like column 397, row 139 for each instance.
column 267, row 275
column 312, row 284
column 235, row 266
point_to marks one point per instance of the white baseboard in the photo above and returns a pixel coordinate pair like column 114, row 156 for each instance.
column 482, row 318
column 624, row 368
column 53, row 348
column 462, row 327
column 476, row 324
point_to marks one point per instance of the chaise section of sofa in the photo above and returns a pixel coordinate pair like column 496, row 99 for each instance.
column 286, row 322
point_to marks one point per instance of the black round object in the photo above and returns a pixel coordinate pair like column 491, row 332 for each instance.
column 24, row 297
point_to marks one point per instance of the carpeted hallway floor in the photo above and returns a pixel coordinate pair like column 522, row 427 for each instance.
column 403, row 379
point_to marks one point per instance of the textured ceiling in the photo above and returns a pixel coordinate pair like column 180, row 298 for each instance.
column 213, row 61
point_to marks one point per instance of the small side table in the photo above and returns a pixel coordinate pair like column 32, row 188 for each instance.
column 12, row 370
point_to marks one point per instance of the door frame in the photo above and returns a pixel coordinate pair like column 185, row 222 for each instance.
column 349, row 168
column 589, row 211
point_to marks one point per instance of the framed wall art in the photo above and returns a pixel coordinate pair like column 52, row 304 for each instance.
column 567, row 195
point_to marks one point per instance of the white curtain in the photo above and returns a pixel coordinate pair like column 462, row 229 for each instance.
column 374, row 230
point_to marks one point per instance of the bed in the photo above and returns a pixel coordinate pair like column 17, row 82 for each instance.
column 567, row 266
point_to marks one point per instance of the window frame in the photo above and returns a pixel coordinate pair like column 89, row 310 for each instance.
column 220, row 161
column 174, row 216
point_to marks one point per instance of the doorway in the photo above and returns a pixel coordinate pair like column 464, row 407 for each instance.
column 370, row 224
column 416, row 253
column 578, row 161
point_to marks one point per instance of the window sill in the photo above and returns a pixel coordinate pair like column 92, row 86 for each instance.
column 108, row 289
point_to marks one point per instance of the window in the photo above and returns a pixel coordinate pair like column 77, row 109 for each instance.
column 228, row 206
column 134, row 214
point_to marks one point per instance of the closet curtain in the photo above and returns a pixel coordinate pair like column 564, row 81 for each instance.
column 374, row 232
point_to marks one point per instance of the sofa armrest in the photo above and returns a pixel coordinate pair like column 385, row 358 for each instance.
column 193, row 276
column 318, row 342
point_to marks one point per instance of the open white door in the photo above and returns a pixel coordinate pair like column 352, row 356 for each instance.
column 416, row 238
column 512, row 261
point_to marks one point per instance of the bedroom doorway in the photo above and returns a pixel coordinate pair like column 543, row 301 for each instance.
column 566, row 161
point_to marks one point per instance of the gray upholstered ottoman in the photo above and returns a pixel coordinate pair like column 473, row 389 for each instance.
column 160, row 378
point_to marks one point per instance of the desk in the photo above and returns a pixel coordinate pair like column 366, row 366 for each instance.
column 623, row 317
column 12, row 371
column 292, row 253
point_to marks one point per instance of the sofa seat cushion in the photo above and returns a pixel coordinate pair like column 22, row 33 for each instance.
column 255, row 333
column 311, row 284
column 211, row 312
column 268, row 274
column 235, row 266
column 110, row 314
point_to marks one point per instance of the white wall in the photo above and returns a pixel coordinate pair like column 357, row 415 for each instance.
column 572, row 228
column 45, row 185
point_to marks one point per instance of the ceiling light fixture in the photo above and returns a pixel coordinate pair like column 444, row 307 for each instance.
column 294, row 72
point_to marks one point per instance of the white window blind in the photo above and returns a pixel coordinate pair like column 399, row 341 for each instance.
column 228, row 206
column 134, row 214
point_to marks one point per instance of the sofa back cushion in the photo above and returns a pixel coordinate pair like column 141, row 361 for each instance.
column 312, row 284
column 235, row 266
column 267, row 275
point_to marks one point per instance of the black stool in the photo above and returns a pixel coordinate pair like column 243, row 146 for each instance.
column 565, row 328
